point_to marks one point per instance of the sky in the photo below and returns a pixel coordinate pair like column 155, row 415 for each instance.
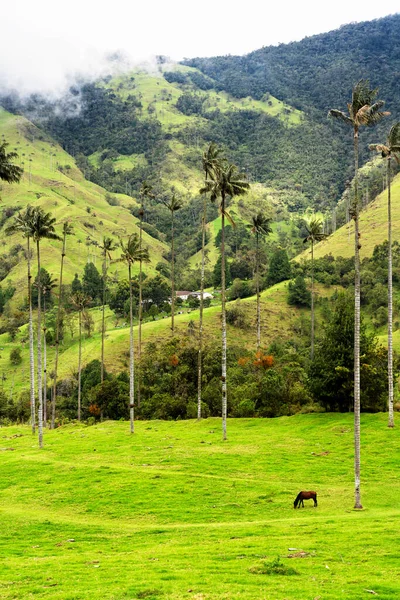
column 44, row 44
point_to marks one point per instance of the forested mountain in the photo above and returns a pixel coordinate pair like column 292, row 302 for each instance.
column 268, row 109
column 319, row 71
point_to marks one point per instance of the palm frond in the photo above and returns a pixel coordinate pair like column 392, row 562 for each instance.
column 338, row 114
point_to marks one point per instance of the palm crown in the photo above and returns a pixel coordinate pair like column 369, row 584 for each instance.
column 8, row 171
column 213, row 159
column 363, row 109
column 392, row 146
column 261, row 225
column 132, row 252
column 314, row 231
column 226, row 181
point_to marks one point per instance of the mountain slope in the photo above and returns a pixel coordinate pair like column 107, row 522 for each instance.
column 52, row 180
column 373, row 228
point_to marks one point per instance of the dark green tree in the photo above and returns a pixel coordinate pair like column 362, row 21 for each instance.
column 92, row 284
column 299, row 295
column 331, row 374
column 279, row 267
column 217, row 275
column 76, row 285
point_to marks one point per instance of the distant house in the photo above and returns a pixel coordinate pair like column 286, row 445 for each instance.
column 183, row 295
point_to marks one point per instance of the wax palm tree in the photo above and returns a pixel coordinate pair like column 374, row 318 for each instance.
column 67, row 230
column 173, row 205
column 212, row 161
column 389, row 150
column 48, row 284
column 106, row 248
column 42, row 227
column 363, row 110
column 8, row 171
column 261, row 226
column 131, row 253
column 145, row 193
column 22, row 224
column 80, row 301
column 226, row 182
column 314, row 235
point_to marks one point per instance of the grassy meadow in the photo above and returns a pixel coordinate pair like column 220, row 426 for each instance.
column 172, row 512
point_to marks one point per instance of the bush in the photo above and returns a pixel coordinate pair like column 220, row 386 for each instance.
column 235, row 316
column 15, row 356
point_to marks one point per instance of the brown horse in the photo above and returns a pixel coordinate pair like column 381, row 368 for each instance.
column 305, row 496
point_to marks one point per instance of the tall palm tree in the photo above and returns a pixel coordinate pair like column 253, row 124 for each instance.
column 22, row 224
column 363, row 110
column 173, row 205
column 67, row 230
column 48, row 284
column 106, row 248
column 212, row 161
column 145, row 193
column 389, row 150
column 8, row 171
column 314, row 234
column 42, row 227
column 131, row 253
column 224, row 183
column 80, row 301
column 261, row 226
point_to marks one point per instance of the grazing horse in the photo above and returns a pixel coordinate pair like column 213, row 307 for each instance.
column 305, row 496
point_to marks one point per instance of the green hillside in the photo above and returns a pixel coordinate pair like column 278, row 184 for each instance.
column 172, row 512
column 52, row 180
column 373, row 228
column 278, row 321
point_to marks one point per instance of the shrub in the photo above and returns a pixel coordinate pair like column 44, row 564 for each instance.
column 235, row 316
column 15, row 356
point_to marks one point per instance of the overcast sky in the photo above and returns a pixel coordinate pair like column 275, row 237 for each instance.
column 44, row 43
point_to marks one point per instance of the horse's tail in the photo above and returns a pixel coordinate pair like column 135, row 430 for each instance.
column 298, row 498
column 315, row 499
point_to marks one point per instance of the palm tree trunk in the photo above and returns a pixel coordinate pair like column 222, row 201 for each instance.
column 200, row 355
column 31, row 353
column 390, row 300
column 258, row 296
column 312, row 300
column 39, row 351
column 131, row 355
column 79, row 365
column 103, row 320
column 223, row 360
column 57, row 341
column 357, row 246
column 172, row 275
column 140, row 312
column 44, row 365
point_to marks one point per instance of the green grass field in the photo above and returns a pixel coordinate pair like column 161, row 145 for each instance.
column 172, row 512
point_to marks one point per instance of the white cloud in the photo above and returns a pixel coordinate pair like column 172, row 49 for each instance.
column 45, row 43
